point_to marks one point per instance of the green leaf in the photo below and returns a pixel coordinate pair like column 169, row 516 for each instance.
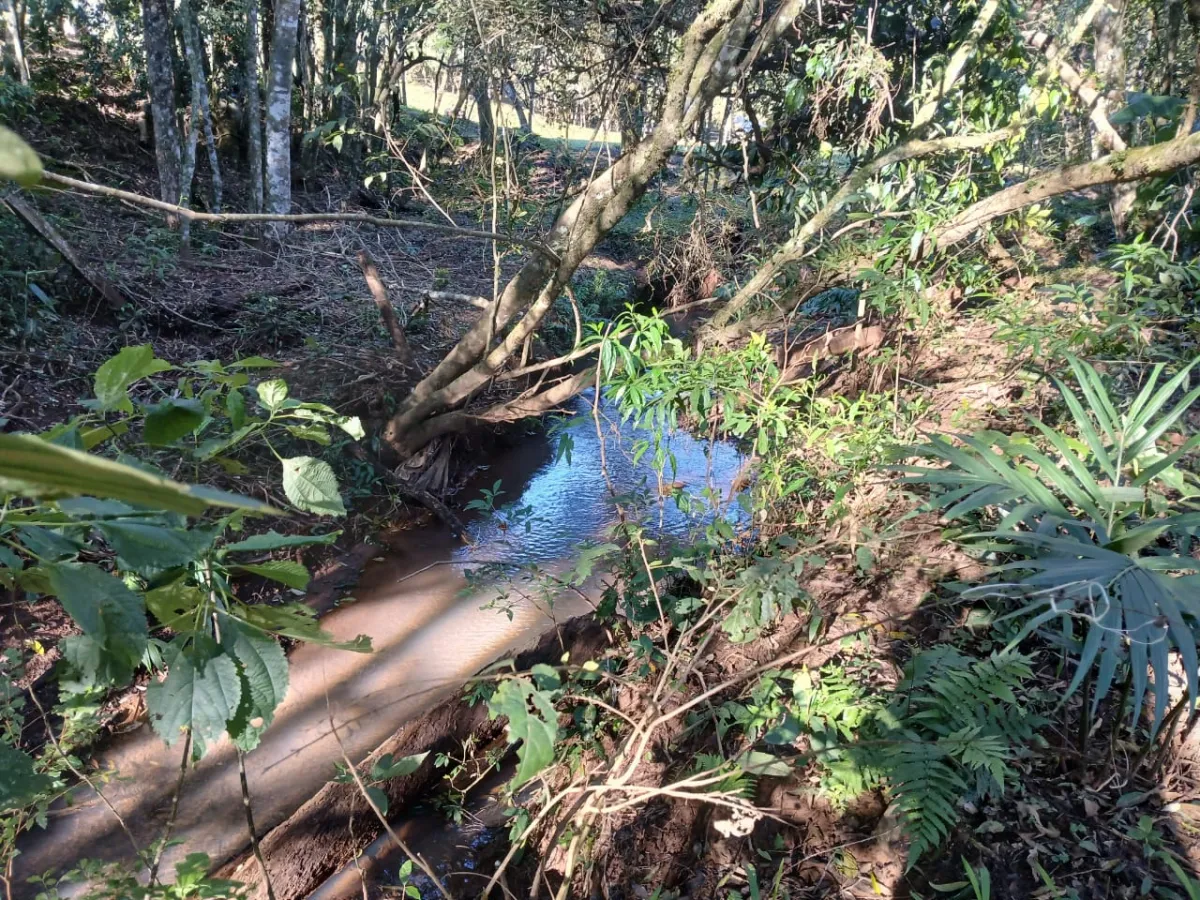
column 107, row 612
column 274, row 541
column 310, row 485
column 263, row 667
column 18, row 161
column 536, row 730
column 170, row 420
column 386, row 767
column 150, row 549
column 19, row 782
column 175, row 605
column 201, row 693
column 310, row 433
column 285, row 571
column 47, row 545
column 272, row 393
column 32, row 467
column 295, row 620
column 254, row 362
column 379, row 799
column 114, row 377
column 754, row 762
column 235, row 408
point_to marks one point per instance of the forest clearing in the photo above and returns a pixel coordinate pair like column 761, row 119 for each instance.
column 599, row 448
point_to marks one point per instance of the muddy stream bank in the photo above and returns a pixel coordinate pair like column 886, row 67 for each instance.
column 432, row 628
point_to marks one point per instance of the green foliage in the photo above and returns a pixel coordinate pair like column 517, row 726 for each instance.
column 945, row 732
column 111, row 540
column 108, row 880
column 1087, row 519
column 532, row 720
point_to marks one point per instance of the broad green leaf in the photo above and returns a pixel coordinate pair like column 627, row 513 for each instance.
column 108, row 612
column 170, row 420
column 379, row 799
column 47, row 545
column 536, row 730
column 254, row 362
column 201, row 692
column 19, row 781
column 295, row 620
column 387, row 767
column 18, row 161
column 114, row 377
column 264, row 671
column 216, row 445
column 274, row 541
column 753, row 762
column 310, row 485
column 150, row 549
column 272, row 393
column 352, row 425
column 235, row 408
column 32, row 467
column 310, row 433
column 285, row 571
column 175, row 605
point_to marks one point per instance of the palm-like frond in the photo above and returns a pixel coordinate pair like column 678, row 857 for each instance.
column 1077, row 513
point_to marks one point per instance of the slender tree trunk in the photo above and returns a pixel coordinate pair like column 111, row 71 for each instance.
column 1109, row 33
column 279, row 113
column 160, row 73
column 194, row 50
column 483, row 101
column 13, row 52
column 523, row 120
column 253, row 109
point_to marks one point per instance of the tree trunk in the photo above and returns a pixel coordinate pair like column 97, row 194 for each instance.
column 483, row 103
column 160, row 74
column 14, row 54
column 194, row 50
column 254, row 149
column 717, row 48
column 523, row 120
column 1109, row 34
column 279, row 114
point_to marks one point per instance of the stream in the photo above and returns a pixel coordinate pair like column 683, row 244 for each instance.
column 431, row 631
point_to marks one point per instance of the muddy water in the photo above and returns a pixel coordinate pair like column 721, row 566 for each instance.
column 431, row 629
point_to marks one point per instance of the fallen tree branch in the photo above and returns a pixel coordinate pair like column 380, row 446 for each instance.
column 1116, row 168
column 25, row 211
column 295, row 219
column 386, row 311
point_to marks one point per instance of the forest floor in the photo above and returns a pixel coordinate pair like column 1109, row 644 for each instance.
column 1066, row 829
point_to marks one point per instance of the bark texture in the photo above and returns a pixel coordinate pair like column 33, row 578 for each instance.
column 14, row 53
column 254, row 150
column 279, row 114
column 160, row 74
column 193, row 45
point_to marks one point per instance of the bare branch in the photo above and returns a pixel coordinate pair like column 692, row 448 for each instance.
column 295, row 218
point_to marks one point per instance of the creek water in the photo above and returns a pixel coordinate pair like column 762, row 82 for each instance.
column 431, row 626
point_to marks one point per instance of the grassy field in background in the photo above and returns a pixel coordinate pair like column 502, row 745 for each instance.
column 420, row 97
